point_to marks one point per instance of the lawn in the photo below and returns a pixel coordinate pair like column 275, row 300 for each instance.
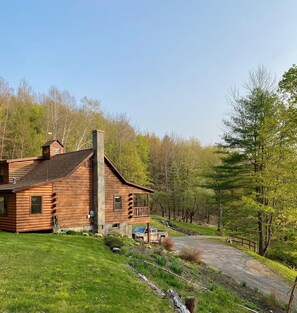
column 206, row 230
column 156, row 221
column 62, row 273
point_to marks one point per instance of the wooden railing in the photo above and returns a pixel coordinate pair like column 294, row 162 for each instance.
column 244, row 242
column 140, row 211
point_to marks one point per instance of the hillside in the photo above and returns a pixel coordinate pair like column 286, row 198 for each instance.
column 73, row 273
column 55, row 274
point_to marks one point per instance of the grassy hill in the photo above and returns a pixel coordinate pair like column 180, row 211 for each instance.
column 205, row 230
column 60, row 273
column 48, row 273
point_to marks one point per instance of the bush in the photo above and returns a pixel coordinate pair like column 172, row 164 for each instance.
column 160, row 260
column 167, row 243
column 284, row 254
column 191, row 254
column 113, row 242
column 176, row 268
column 71, row 232
column 271, row 300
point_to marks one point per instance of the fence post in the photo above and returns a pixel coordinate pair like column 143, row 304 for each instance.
column 191, row 304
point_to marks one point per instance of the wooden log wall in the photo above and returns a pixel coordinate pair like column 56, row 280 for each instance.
column 74, row 197
column 8, row 222
column 114, row 187
column 30, row 222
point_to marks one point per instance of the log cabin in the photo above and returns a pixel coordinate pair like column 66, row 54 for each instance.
column 79, row 190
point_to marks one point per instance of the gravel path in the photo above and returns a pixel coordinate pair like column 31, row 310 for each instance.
column 238, row 265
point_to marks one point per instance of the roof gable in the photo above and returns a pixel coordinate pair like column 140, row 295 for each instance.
column 121, row 177
column 56, row 168
column 48, row 143
column 59, row 167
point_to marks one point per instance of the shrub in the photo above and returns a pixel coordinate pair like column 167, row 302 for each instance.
column 160, row 260
column 176, row 268
column 167, row 243
column 191, row 254
column 125, row 251
column 113, row 242
column 71, row 232
column 271, row 300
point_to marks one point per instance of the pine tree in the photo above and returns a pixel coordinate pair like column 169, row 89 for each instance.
column 249, row 140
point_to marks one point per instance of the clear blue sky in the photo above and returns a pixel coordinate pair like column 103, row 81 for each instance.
column 168, row 64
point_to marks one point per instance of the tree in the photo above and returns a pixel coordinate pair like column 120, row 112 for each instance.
column 59, row 107
column 5, row 106
column 126, row 149
column 250, row 139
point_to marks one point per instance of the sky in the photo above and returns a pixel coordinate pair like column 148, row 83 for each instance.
column 167, row 64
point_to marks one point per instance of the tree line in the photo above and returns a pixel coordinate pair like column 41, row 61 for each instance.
column 255, row 181
column 171, row 165
column 248, row 182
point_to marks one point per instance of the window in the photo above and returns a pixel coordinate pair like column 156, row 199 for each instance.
column 57, row 150
column 36, row 204
column 116, row 226
column 3, row 205
column 140, row 200
column 117, row 203
column 1, row 175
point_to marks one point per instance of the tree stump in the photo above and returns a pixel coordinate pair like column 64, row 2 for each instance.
column 191, row 304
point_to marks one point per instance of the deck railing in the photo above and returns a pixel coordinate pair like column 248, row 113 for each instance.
column 140, row 211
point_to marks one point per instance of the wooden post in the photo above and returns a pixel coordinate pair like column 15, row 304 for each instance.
column 148, row 233
column 191, row 304
column 292, row 297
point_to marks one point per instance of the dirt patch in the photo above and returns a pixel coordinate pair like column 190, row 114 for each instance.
column 256, row 268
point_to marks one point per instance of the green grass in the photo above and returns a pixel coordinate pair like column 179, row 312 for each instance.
column 60, row 273
column 200, row 229
column 210, row 230
column 156, row 221
column 216, row 300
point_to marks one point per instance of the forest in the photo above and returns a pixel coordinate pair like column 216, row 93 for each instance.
column 246, row 184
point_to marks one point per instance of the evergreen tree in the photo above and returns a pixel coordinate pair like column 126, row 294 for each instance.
column 249, row 142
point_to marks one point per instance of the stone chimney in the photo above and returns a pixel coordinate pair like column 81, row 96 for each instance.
column 98, row 182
